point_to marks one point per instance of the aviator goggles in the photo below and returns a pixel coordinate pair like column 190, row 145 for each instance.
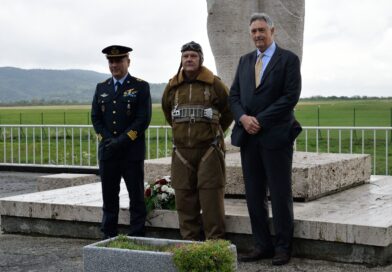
column 191, row 46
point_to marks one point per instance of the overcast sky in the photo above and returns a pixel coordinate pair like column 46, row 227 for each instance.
column 347, row 43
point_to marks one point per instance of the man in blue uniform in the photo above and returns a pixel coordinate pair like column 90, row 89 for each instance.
column 120, row 114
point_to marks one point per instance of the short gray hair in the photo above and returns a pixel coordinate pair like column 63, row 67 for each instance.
column 261, row 16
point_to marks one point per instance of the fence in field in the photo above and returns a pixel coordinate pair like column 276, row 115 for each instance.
column 77, row 145
column 308, row 115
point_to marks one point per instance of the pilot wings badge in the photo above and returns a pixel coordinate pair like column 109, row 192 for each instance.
column 104, row 95
column 130, row 93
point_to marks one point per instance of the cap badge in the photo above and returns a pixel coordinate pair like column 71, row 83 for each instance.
column 114, row 51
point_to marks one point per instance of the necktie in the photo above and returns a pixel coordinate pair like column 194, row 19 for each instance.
column 258, row 67
column 117, row 85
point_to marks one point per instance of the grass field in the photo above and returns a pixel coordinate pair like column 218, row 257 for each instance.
column 367, row 113
column 345, row 113
column 322, row 113
column 63, row 114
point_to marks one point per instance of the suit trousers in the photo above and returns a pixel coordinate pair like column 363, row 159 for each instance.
column 111, row 172
column 269, row 169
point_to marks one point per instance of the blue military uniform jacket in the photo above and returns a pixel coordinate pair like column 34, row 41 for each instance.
column 125, row 113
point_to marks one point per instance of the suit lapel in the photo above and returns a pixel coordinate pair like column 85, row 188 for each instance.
column 252, row 62
column 126, row 82
column 249, row 65
column 275, row 58
column 109, row 88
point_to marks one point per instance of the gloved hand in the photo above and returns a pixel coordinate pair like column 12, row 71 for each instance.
column 115, row 144
column 112, row 144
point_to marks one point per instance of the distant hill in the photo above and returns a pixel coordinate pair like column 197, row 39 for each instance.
column 51, row 86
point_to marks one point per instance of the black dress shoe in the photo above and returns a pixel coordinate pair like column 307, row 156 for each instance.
column 256, row 254
column 107, row 236
column 137, row 234
column 281, row 258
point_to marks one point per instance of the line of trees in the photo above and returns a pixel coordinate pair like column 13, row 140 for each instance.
column 355, row 97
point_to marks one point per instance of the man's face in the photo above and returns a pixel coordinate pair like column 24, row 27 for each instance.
column 190, row 61
column 119, row 66
column 262, row 34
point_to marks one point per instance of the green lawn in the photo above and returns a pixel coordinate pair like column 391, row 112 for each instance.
column 367, row 113
column 322, row 113
column 63, row 114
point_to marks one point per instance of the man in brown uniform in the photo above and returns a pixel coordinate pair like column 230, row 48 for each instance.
column 195, row 103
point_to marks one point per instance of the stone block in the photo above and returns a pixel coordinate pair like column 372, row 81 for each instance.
column 318, row 174
column 98, row 258
column 314, row 174
column 56, row 181
column 156, row 168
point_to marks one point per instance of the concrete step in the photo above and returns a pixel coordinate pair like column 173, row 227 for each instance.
column 62, row 180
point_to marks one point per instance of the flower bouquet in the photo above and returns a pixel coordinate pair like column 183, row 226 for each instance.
column 159, row 195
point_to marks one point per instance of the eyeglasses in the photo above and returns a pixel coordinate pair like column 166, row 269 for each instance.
column 191, row 46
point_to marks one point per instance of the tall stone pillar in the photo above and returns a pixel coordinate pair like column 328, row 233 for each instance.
column 228, row 29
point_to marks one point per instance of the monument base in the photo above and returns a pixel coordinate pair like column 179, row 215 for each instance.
column 350, row 226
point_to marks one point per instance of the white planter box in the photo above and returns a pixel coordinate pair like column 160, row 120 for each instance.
column 97, row 259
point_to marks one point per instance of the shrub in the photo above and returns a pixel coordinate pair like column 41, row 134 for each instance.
column 212, row 256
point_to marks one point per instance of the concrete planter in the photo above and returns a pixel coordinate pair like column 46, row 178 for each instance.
column 97, row 258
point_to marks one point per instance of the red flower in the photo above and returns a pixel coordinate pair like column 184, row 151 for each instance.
column 155, row 198
column 147, row 193
column 161, row 182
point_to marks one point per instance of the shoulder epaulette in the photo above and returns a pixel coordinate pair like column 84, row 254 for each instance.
column 106, row 80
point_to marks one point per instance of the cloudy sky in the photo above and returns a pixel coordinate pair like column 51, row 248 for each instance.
column 347, row 43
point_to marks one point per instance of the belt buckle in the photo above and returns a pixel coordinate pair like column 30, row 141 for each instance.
column 208, row 113
column 175, row 113
column 192, row 119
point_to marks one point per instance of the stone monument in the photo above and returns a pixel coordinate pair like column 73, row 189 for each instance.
column 228, row 29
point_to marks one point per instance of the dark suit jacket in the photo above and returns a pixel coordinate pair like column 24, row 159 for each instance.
column 272, row 103
column 125, row 113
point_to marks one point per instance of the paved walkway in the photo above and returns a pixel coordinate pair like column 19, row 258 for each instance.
column 34, row 253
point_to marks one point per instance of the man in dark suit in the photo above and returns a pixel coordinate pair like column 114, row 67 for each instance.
column 265, row 90
column 121, row 112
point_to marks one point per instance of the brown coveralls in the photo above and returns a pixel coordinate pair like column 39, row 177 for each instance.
column 198, row 166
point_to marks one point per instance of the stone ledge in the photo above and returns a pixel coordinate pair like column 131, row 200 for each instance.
column 314, row 174
column 360, row 215
column 56, row 181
